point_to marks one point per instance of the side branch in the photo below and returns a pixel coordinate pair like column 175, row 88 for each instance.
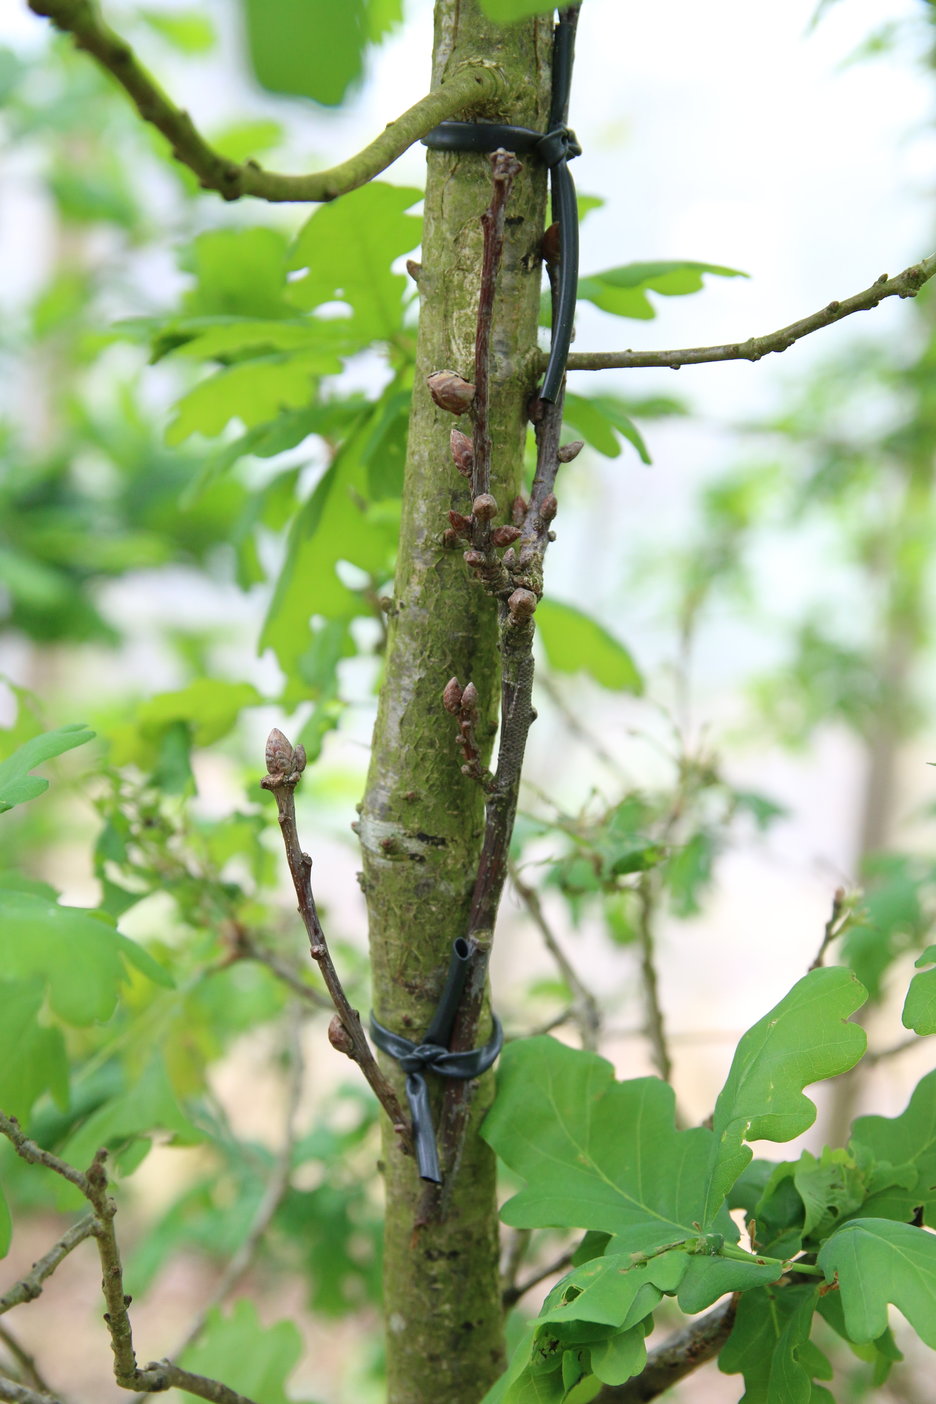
column 285, row 765
column 467, row 88
column 905, row 284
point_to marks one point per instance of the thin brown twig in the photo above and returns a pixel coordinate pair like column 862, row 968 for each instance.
column 14, row 1393
column 905, row 284
column 505, row 168
column 834, row 927
column 512, row 1294
column 284, row 769
column 584, row 1010
column 246, row 947
column 655, row 1025
column 157, row 1376
column 468, row 87
column 31, row 1373
column 30, row 1287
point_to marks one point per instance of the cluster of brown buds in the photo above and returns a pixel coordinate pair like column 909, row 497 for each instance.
column 462, row 702
column 284, row 762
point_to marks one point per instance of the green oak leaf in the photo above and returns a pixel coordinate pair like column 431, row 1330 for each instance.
column 16, row 784
column 32, row 1056
column 919, row 1011
column 574, row 642
column 908, row 1142
column 623, row 291
column 831, row 1186
column 315, row 48
column 254, row 1359
column 347, row 248
column 802, row 1040
column 600, row 419
column 595, row 1153
column 148, row 1104
column 210, row 705
column 253, row 392
column 238, row 273
column 770, row 1333
column 189, row 31
column 709, row 1276
column 877, row 1261
column 76, row 952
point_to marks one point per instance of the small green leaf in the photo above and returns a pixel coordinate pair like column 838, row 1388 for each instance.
column 255, row 1360
column 209, row 705
column 32, row 1057
column 623, row 291
column 574, row 642
column 149, row 1104
column 877, row 1261
column 770, row 1332
column 802, row 1040
column 239, row 273
column 919, row 1011
column 16, row 784
column 252, row 392
column 907, row 1140
column 190, row 31
column 599, row 419
column 308, row 48
column 76, row 952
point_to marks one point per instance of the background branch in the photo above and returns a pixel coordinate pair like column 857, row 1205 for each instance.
column 467, row 88
column 28, row 1368
column 20, row 1394
column 905, row 284
column 584, row 1010
column 29, row 1287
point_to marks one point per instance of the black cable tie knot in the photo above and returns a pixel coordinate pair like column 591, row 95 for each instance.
column 561, row 144
column 432, row 1055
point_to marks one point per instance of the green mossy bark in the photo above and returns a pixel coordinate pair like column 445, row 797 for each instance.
column 422, row 820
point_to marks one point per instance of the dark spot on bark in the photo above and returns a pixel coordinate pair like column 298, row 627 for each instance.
column 434, row 840
column 416, row 857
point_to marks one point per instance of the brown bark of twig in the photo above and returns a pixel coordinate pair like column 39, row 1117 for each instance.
column 159, row 1375
column 15, row 1393
column 585, row 1010
column 466, row 89
column 833, row 928
column 905, row 284
column 655, row 1026
column 30, row 1287
column 676, row 1358
column 284, row 768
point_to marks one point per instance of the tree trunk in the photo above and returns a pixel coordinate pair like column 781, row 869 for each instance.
column 421, row 820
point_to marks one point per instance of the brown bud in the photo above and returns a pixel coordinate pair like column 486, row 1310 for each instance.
column 462, row 452
column 460, row 523
column 548, row 507
column 449, row 539
column 521, row 605
column 452, row 696
column 551, row 245
column 518, row 510
column 279, row 753
column 299, row 759
column 484, row 507
column 339, row 1037
column 414, row 269
column 505, row 535
column 509, row 558
column 570, row 451
column 527, row 554
column 474, row 558
column 469, row 698
column 450, row 391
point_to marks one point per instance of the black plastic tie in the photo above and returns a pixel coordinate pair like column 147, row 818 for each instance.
column 432, row 1056
column 555, row 148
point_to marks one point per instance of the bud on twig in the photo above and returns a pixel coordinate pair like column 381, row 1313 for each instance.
column 469, row 698
column 452, row 696
column 505, row 535
column 518, row 510
column 450, row 391
column 521, row 605
column 279, row 753
column 460, row 523
column 474, row 558
column 339, row 1037
column 551, row 245
column 449, row 539
column 484, row 507
column 570, row 451
column 462, row 452
column 548, row 507
column 414, row 269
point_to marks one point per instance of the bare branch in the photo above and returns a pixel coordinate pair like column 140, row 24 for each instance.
column 655, row 1027
column 834, row 927
column 28, row 1368
column 158, row 1375
column 246, row 948
column 512, row 1294
column 677, row 1357
column 20, row 1394
column 30, row 1286
column 468, row 87
column 585, row 1009
column 905, row 284
column 284, row 768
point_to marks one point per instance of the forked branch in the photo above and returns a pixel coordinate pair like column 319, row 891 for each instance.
column 469, row 87
column 905, row 284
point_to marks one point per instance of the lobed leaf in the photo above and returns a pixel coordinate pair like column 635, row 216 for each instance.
column 919, row 1011
column 574, row 642
column 254, row 1359
column 768, row 1339
column 906, row 1142
column 879, row 1261
column 802, row 1040
column 315, row 48
column 623, row 291
column 16, row 784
